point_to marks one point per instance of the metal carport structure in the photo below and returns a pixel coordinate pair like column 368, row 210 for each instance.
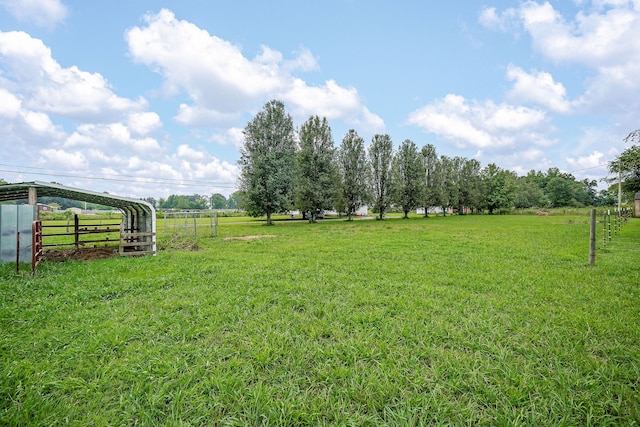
column 138, row 227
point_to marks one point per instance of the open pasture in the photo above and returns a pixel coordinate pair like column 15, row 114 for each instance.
column 490, row 320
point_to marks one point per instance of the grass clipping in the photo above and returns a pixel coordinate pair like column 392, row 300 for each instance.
column 178, row 242
column 261, row 236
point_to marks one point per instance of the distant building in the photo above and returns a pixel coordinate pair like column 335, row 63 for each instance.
column 637, row 205
column 44, row 208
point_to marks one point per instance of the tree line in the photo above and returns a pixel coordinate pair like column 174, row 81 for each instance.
column 283, row 168
column 196, row 201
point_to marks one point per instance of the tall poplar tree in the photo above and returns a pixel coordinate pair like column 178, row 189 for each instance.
column 445, row 183
column 429, row 164
column 354, row 172
column 407, row 177
column 316, row 175
column 470, row 189
column 380, row 157
column 267, row 162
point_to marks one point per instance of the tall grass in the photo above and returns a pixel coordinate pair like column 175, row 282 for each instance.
column 494, row 320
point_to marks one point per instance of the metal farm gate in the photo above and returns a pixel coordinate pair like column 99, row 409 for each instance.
column 135, row 233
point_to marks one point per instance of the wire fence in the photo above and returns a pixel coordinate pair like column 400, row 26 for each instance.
column 612, row 222
column 190, row 223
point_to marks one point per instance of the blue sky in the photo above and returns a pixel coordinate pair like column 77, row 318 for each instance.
column 149, row 98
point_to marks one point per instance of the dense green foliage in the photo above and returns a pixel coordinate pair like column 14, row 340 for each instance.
column 498, row 187
column 627, row 164
column 457, row 320
column 407, row 177
column 268, row 162
column 355, row 174
column 174, row 201
column 380, row 159
column 431, row 178
column 316, row 175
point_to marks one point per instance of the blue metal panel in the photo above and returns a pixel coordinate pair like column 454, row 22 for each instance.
column 14, row 219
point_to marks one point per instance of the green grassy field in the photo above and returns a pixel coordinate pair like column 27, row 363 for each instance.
column 463, row 320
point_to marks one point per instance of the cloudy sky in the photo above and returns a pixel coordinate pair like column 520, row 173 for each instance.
column 149, row 98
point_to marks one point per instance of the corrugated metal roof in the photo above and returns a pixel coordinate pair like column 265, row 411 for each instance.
column 20, row 191
column 138, row 215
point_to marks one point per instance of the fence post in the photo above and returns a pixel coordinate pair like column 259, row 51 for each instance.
column 76, row 225
column 18, row 252
column 36, row 245
column 592, row 238
column 195, row 226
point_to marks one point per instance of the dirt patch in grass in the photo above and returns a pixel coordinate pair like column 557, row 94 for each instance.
column 261, row 236
column 179, row 243
column 82, row 254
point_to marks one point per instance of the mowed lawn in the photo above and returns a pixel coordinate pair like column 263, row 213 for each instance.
column 463, row 320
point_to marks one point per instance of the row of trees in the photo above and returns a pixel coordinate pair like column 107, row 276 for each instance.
column 196, row 201
column 282, row 169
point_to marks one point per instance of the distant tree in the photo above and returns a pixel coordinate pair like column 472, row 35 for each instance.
column 235, row 200
column 267, row 162
column 62, row 202
column 429, row 165
column 528, row 194
column 470, row 188
column 608, row 197
column 407, row 174
column 627, row 164
column 380, row 156
column 562, row 192
column 218, row 201
column 316, row 174
column 354, row 173
column 447, row 176
column 180, row 201
column 198, row 201
column 499, row 187
column 151, row 201
column 453, row 181
column 588, row 192
column 68, row 214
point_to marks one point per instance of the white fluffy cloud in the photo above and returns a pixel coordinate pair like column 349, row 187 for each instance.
column 604, row 37
column 137, row 165
column 233, row 136
column 223, row 84
column 42, row 13
column 143, row 123
column 61, row 159
column 43, row 85
column 111, row 137
column 590, row 161
column 22, row 129
column 481, row 125
column 537, row 87
column 114, row 137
